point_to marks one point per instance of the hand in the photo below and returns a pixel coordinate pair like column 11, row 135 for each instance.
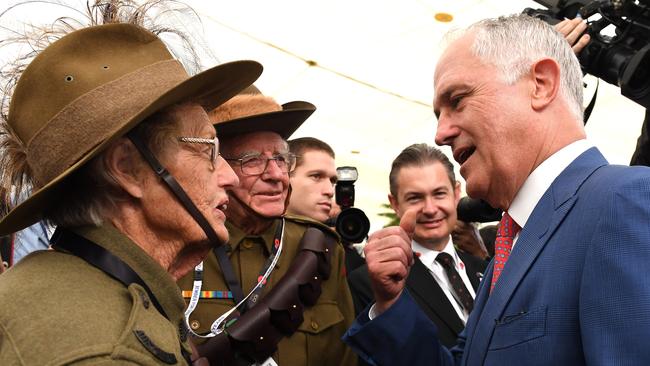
column 572, row 29
column 466, row 238
column 389, row 257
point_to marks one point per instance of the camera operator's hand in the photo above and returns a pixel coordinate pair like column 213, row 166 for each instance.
column 389, row 257
column 573, row 30
column 466, row 238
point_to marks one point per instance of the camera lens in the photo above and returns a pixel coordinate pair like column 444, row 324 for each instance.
column 353, row 225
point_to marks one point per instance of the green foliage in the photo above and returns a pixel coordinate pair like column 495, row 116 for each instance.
column 393, row 220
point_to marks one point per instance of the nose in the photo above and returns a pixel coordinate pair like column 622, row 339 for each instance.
column 225, row 175
column 429, row 207
column 273, row 171
column 446, row 131
column 328, row 189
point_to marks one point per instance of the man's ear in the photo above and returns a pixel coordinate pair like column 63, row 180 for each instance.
column 394, row 205
column 546, row 83
column 125, row 166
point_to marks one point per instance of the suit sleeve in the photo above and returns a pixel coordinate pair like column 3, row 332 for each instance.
column 615, row 291
column 402, row 335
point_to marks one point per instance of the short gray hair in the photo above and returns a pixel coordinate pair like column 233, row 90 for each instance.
column 513, row 43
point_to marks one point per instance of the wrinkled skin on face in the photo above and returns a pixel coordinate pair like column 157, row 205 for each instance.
column 155, row 219
column 258, row 198
column 487, row 124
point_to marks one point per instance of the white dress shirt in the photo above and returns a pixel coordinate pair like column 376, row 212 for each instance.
column 539, row 181
column 428, row 258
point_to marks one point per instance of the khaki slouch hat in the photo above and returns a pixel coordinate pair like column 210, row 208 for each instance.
column 91, row 87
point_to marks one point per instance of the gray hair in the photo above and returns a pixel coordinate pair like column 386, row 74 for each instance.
column 513, row 43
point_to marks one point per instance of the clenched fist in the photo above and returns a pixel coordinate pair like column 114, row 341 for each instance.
column 389, row 257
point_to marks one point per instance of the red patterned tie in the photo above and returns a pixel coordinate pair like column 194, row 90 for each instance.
column 506, row 232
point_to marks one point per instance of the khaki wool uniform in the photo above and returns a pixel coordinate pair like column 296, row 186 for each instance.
column 56, row 309
column 317, row 342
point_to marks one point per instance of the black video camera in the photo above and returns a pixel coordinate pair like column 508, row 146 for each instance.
column 351, row 224
column 621, row 59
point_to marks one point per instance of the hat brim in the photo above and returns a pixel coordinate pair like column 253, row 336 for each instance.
column 284, row 122
column 210, row 89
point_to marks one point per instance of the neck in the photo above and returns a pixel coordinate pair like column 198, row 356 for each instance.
column 249, row 221
column 433, row 244
column 173, row 255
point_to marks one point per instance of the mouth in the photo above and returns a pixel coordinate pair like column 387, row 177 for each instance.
column 223, row 206
column 325, row 205
column 462, row 154
column 434, row 222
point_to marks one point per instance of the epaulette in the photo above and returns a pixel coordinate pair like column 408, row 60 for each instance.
column 313, row 223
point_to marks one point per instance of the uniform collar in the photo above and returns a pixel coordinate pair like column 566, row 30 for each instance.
column 237, row 235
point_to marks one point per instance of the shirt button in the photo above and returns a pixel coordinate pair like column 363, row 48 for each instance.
column 247, row 245
column 195, row 324
column 314, row 325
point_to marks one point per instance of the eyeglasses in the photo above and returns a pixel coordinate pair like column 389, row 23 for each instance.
column 256, row 164
column 214, row 150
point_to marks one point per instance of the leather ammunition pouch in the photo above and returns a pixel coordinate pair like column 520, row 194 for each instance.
column 257, row 332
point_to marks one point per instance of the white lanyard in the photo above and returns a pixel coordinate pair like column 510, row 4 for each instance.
column 218, row 325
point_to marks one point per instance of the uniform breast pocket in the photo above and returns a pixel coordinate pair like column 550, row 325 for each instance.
column 519, row 328
column 321, row 330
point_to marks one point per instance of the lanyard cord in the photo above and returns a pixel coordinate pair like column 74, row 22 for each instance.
column 219, row 325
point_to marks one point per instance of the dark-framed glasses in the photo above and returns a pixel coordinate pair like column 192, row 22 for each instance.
column 256, row 164
column 214, row 148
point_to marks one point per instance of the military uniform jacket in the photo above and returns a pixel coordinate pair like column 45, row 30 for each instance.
column 56, row 309
column 318, row 339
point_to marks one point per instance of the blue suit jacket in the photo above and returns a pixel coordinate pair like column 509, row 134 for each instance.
column 575, row 290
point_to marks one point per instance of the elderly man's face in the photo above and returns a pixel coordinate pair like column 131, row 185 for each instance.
column 204, row 182
column 485, row 121
column 264, row 193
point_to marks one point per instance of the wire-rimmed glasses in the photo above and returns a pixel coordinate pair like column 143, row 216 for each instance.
column 256, row 164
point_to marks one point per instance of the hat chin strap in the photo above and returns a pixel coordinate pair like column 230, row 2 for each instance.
column 176, row 189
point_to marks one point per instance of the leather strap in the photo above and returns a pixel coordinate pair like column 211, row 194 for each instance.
column 108, row 263
column 279, row 314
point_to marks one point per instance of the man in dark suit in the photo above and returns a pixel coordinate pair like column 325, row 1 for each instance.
column 569, row 283
column 422, row 177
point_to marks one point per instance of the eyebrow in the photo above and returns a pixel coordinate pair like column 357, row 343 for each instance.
column 446, row 94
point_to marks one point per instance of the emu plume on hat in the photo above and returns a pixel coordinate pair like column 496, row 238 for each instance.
column 89, row 88
column 250, row 111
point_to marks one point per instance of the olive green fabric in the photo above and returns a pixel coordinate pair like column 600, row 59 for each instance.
column 56, row 309
column 318, row 339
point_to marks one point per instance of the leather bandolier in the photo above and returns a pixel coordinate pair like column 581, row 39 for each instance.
column 257, row 332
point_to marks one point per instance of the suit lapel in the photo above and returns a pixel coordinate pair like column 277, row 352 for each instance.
column 421, row 282
column 554, row 205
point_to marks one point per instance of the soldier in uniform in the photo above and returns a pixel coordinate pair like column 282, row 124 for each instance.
column 114, row 136
column 253, row 129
